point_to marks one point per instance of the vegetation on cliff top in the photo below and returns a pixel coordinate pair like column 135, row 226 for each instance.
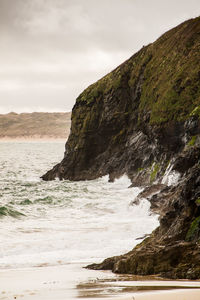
column 170, row 76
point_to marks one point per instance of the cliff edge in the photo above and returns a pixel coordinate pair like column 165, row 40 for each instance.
column 143, row 119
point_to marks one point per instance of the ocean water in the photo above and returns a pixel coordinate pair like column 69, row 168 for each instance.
column 58, row 222
column 62, row 222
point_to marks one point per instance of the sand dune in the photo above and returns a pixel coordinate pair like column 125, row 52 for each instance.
column 35, row 126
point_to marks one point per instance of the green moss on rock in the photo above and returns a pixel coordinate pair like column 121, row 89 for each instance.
column 195, row 112
column 197, row 202
column 171, row 88
column 192, row 141
column 194, row 230
column 154, row 172
column 111, row 81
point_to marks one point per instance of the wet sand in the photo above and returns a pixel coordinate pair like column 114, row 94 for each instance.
column 73, row 282
column 170, row 295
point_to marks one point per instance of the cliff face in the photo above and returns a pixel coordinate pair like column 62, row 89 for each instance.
column 135, row 116
column 143, row 119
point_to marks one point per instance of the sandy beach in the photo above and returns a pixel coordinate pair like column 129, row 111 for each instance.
column 169, row 295
column 57, row 283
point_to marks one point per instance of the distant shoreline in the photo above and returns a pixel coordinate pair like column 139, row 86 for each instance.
column 34, row 139
column 34, row 126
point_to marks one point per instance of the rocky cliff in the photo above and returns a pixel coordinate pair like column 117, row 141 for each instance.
column 143, row 119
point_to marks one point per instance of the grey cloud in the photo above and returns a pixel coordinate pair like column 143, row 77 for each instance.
column 52, row 49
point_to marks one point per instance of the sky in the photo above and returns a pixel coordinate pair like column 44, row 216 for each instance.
column 51, row 50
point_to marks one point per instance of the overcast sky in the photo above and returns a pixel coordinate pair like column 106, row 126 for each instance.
column 53, row 49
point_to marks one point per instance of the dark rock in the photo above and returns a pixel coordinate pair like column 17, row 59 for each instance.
column 174, row 247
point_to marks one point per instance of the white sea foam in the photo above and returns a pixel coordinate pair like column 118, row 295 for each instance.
column 171, row 177
column 64, row 222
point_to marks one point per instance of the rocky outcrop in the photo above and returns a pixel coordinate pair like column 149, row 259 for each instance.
column 135, row 116
column 143, row 119
column 173, row 249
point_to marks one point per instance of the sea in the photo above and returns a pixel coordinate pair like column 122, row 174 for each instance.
column 63, row 223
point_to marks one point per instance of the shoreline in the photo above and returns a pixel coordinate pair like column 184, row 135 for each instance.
column 34, row 139
column 73, row 282
column 193, row 294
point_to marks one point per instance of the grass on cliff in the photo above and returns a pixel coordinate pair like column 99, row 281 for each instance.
column 194, row 230
column 171, row 90
column 166, row 72
column 154, row 172
column 192, row 141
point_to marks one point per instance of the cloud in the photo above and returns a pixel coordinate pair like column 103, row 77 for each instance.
column 52, row 49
